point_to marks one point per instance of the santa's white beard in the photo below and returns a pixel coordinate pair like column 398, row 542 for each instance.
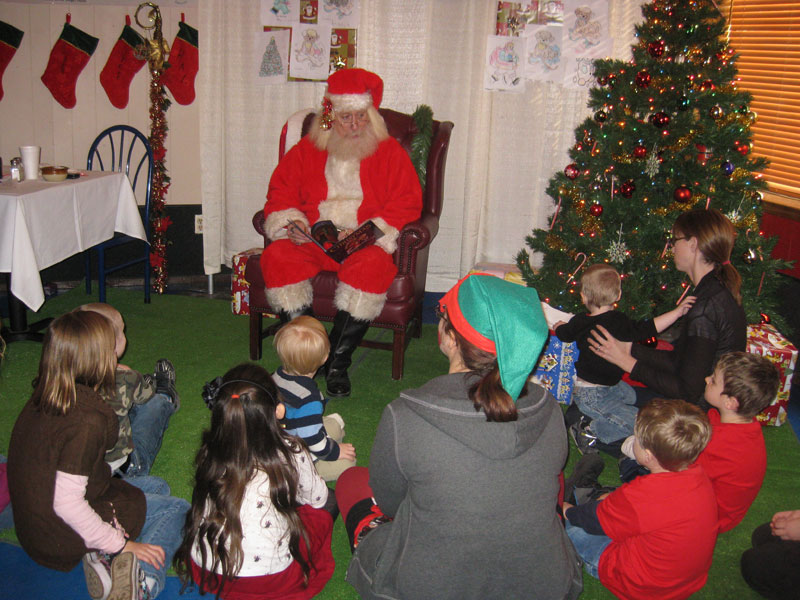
column 349, row 148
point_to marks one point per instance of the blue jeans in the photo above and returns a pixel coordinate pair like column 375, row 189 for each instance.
column 148, row 423
column 589, row 547
column 611, row 408
column 163, row 526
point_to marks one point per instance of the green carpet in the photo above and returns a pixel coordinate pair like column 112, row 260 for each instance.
column 203, row 339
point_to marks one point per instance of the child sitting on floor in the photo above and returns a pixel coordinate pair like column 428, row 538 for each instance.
column 303, row 347
column 735, row 459
column 143, row 404
column 654, row 537
column 255, row 529
column 67, row 505
column 605, row 401
column 741, row 386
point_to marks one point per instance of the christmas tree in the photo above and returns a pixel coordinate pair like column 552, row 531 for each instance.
column 271, row 63
column 670, row 132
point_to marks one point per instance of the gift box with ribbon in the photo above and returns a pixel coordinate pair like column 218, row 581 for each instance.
column 767, row 341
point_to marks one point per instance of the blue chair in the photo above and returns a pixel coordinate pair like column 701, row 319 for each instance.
column 117, row 148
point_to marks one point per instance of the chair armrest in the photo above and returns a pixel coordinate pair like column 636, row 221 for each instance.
column 258, row 225
column 414, row 237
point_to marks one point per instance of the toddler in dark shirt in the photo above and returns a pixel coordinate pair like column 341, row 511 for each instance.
column 599, row 392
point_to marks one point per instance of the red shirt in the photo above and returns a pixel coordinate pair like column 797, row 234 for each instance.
column 735, row 461
column 663, row 529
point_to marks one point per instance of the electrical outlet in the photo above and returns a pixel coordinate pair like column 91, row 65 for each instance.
column 198, row 223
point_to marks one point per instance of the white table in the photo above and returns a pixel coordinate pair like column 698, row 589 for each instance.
column 43, row 223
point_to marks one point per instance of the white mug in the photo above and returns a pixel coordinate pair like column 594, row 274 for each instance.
column 30, row 161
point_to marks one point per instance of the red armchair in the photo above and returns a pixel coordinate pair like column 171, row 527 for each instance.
column 402, row 312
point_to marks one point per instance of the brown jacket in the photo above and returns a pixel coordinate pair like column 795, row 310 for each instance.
column 75, row 443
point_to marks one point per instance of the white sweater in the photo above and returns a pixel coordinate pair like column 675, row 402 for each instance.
column 265, row 536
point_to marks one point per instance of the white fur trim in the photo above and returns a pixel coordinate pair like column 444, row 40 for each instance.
column 343, row 178
column 342, row 211
column 275, row 222
column 292, row 297
column 350, row 102
column 294, row 127
column 389, row 239
column 362, row 305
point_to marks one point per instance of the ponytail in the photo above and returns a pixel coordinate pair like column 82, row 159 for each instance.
column 715, row 235
column 487, row 393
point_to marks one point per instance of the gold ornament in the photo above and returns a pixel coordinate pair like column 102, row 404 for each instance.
column 155, row 49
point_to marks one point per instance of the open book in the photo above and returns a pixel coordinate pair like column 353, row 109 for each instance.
column 325, row 235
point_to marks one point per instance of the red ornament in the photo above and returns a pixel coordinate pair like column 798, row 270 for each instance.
column 642, row 79
column 639, row 151
column 683, row 194
column 707, row 85
column 627, row 188
column 571, row 170
column 742, row 149
column 596, row 210
column 660, row 119
column 601, row 81
column 656, row 49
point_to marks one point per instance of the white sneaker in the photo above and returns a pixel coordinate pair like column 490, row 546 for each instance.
column 124, row 577
column 97, row 570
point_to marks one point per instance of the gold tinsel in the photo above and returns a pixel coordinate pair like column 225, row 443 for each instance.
column 739, row 173
column 554, row 242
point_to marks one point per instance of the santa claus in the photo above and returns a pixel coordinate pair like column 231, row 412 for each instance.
column 348, row 170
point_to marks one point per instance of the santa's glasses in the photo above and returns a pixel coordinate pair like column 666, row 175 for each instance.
column 350, row 118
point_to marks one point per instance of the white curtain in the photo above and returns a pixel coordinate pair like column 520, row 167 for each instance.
column 504, row 149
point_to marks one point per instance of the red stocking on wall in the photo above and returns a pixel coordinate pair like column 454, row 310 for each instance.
column 122, row 65
column 68, row 57
column 183, row 64
column 10, row 38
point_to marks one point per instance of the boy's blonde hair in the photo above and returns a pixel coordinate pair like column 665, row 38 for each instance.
column 302, row 345
column 601, row 285
column 108, row 311
column 674, row 431
column 751, row 379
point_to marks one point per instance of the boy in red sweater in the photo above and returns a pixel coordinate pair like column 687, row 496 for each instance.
column 654, row 537
column 735, row 459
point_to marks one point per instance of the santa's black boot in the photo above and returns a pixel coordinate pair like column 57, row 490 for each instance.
column 345, row 336
column 285, row 317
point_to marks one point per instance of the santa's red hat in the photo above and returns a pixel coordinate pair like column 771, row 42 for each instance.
column 354, row 89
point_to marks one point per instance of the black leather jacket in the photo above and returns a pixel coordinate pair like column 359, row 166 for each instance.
column 714, row 326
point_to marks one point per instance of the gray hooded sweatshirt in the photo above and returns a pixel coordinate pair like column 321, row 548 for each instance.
column 473, row 502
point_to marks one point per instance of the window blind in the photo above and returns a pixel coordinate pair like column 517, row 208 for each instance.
column 764, row 33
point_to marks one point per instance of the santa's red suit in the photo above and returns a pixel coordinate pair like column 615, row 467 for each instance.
column 310, row 186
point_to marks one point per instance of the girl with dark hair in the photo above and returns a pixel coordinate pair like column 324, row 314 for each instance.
column 67, row 506
column 460, row 497
column 255, row 529
column 702, row 241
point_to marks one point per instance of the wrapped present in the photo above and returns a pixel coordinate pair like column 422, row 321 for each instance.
column 767, row 341
column 556, row 368
column 509, row 272
column 240, row 289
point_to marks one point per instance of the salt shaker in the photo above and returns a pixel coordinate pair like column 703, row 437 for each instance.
column 17, row 170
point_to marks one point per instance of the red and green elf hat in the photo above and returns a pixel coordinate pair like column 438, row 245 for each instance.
column 502, row 318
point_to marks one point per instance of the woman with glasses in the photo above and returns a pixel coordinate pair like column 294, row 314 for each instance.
column 463, row 480
column 702, row 241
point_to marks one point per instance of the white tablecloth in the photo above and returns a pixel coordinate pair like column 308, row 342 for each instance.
column 43, row 223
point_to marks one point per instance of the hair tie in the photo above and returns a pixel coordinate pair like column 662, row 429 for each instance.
column 727, row 262
column 211, row 390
